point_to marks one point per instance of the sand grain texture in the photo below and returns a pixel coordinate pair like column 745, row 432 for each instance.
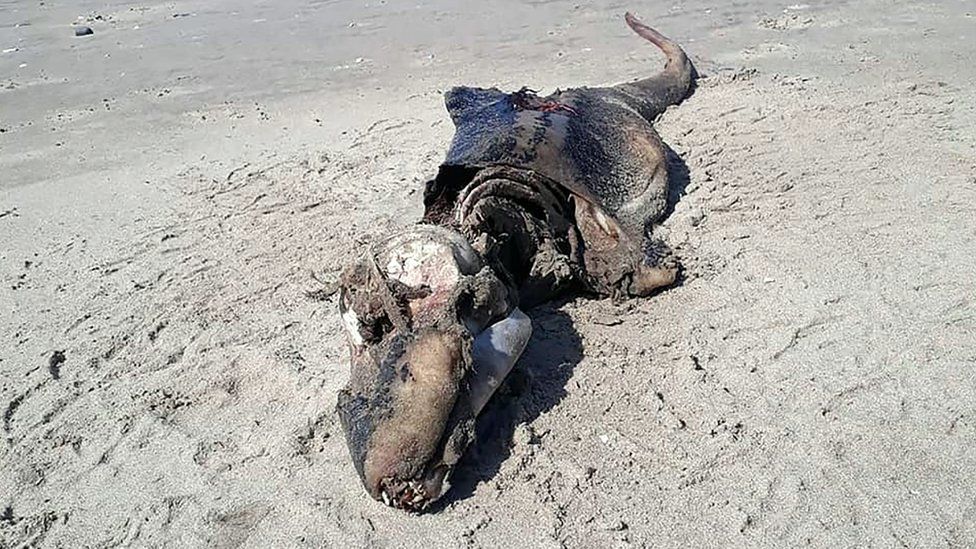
column 171, row 351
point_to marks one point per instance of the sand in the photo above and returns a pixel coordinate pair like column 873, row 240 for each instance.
column 178, row 190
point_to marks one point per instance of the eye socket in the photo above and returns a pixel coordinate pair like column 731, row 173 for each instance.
column 404, row 293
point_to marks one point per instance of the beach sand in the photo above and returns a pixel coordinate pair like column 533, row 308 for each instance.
column 178, row 189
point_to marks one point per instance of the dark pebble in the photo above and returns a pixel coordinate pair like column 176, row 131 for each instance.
column 83, row 31
column 54, row 364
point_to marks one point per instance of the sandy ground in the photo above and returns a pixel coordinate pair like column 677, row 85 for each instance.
column 174, row 188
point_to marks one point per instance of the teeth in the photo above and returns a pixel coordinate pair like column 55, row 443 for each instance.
column 409, row 494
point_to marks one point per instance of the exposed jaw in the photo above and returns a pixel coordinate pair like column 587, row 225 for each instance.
column 416, row 495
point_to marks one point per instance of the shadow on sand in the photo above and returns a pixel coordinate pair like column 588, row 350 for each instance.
column 536, row 384
column 678, row 179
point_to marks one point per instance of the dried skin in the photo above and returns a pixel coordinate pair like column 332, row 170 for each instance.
column 411, row 324
column 537, row 196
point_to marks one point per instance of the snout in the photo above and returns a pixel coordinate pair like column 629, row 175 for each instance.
column 414, row 308
column 420, row 419
column 397, row 419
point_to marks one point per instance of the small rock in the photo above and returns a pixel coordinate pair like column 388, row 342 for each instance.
column 525, row 436
column 54, row 364
column 608, row 321
column 613, row 525
column 83, row 31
